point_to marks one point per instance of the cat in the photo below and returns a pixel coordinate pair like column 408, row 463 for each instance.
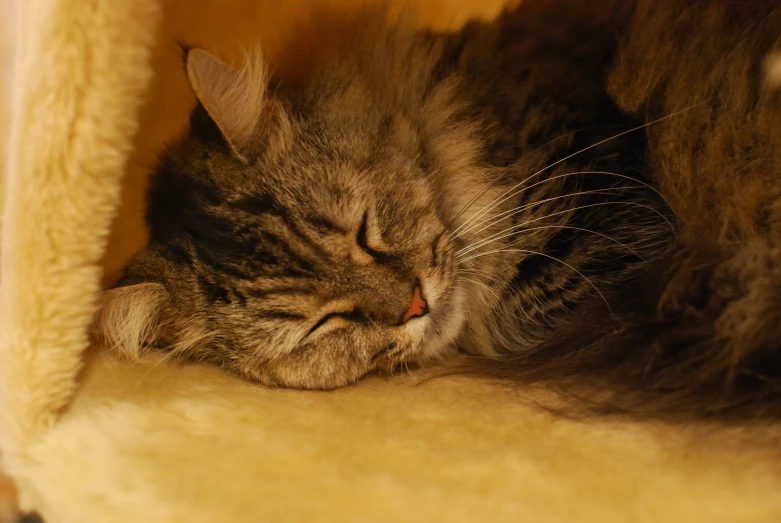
column 578, row 194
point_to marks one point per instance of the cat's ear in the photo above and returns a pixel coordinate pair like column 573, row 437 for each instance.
column 235, row 99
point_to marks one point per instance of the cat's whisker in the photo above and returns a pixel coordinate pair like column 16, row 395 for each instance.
column 510, row 230
column 487, row 208
column 527, row 251
column 535, row 218
column 516, row 210
column 498, row 299
column 512, row 192
column 468, row 206
column 569, row 227
column 558, row 176
column 483, row 285
column 561, row 160
column 476, row 271
column 409, row 371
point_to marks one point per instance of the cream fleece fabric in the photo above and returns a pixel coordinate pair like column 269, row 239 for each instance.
column 114, row 441
column 78, row 80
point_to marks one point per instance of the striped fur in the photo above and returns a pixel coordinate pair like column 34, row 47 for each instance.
column 513, row 169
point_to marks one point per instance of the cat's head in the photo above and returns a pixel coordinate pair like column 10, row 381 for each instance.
column 299, row 243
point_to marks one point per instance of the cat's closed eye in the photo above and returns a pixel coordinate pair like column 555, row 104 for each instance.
column 363, row 241
column 354, row 315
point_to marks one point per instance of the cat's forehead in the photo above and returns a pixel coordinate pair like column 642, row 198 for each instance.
column 316, row 182
column 333, row 169
column 342, row 193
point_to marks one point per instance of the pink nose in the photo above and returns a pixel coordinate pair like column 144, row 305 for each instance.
column 417, row 308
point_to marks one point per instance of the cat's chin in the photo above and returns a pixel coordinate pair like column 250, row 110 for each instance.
column 437, row 333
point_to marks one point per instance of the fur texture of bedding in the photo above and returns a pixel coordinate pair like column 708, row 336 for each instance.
column 98, row 88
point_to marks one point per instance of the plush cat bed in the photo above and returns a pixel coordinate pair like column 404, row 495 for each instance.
column 97, row 90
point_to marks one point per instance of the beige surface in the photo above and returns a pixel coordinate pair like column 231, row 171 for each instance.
column 128, row 442
column 8, row 13
column 149, row 443
column 78, row 82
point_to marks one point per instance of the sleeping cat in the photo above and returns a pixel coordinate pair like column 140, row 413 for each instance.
column 576, row 193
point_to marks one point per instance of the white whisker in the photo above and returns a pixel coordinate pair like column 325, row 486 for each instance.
column 498, row 299
column 477, row 271
column 492, row 205
column 552, row 178
column 543, row 227
column 509, row 231
column 517, row 210
column 551, row 258
column 483, row 285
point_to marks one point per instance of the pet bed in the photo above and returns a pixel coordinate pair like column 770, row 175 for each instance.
column 97, row 89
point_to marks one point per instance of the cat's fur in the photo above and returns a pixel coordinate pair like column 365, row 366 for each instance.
column 508, row 169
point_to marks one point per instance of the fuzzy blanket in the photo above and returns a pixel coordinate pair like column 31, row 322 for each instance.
column 97, row 88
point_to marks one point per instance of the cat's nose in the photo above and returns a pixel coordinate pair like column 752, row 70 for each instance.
column 417, row 307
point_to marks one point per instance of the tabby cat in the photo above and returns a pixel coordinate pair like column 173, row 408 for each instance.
column 582, row 193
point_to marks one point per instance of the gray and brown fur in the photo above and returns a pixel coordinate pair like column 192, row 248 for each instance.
column 508, row 170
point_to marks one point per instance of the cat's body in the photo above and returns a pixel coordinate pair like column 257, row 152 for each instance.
column 483, row 190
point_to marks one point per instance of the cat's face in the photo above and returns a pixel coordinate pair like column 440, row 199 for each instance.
column 309, row 261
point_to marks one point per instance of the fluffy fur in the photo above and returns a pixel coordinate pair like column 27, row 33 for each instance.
column 152, row 442
column 507, row 171
column 701, row 327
